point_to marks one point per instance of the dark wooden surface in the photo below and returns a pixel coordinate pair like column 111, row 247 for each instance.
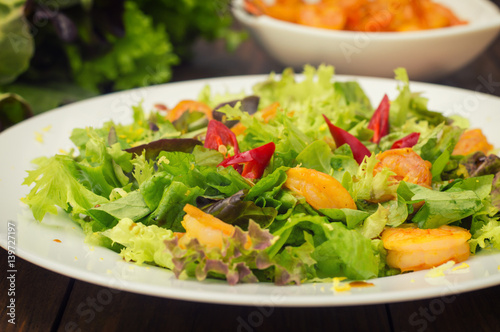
column 46, row 301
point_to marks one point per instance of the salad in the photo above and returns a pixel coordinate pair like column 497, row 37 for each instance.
column 301, row 181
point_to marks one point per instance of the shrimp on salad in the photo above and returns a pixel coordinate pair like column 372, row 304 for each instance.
column 407, row 165
column 320, row 190
column 413, row 249
column 472, row 141
column 204, row 227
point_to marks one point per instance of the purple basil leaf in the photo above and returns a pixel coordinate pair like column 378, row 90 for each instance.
column 154, row 148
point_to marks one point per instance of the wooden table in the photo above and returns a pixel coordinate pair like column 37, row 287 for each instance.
column 47, row 301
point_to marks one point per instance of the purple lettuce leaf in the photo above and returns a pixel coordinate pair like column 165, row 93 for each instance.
column 154, row 148
column 234, row 262
column 239, row 260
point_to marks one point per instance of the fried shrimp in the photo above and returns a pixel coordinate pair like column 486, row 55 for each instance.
column 472, row 141
column 407, row 165
column 413, row 249
column 320, row 190
column 208, row 229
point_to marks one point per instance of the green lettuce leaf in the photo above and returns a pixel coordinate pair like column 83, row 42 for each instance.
column 486, row 237
column 346, row 253
column 366, row 186
column 444, row 207
column 375, row 223
column 352, row 218
column 131, row 206
column 56, row 184
column 169, row 212
column 316, row 155
column 142, row 244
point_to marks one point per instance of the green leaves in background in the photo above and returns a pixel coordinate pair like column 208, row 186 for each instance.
column 58, row 53
column 16, row 42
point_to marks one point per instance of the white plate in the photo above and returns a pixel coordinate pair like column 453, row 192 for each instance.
column 426, row 54
column 73, row 258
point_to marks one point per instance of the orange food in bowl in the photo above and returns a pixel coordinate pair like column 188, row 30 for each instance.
column 359, row 15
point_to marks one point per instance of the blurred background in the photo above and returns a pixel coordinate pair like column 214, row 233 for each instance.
column 54, row 52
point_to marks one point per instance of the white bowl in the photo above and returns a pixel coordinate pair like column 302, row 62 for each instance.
column 427, row 54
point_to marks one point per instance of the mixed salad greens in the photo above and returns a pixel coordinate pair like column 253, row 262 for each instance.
column 220, row 165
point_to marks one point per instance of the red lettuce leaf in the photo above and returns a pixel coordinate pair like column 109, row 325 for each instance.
column 154, row 148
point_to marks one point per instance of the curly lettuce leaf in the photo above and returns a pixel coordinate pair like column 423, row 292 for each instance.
column 188, row 20
column 378, row 187
column 338, row 251
column 487, row 236
column 294, row 265
column 142, row 244
column 234, row 262
column 56, row 185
